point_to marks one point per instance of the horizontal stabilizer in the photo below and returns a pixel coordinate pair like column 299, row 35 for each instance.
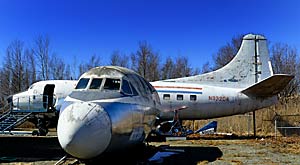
column 269, row 86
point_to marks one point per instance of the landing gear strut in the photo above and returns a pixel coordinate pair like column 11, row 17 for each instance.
column 172, row 127
column 42, row 128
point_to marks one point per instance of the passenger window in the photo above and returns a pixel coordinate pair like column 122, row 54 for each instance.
column 126, row 87
column 112, row 84
column 82, row 83
column 179, row 97
column 193, row 97
column 166, row 96
column 96, row 83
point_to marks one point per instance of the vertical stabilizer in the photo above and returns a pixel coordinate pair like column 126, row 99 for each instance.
column 250, row 65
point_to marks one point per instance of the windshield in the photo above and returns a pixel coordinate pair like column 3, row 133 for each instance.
column 112, row 84
column 96, row 83
column 82, row 83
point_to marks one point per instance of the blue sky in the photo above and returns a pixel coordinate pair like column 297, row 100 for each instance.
column 192, row 28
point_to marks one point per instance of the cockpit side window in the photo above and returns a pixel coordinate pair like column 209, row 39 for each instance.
column 152, row 89
column 146, row 88
column 126, row 87
column 96, row 83
column 82, row 83
column 135, row 93
column 112, row 84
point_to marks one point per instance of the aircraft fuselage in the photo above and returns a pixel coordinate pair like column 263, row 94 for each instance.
column 204, row 101
column 107, row 112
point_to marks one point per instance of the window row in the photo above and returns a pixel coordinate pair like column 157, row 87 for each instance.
column 107, row 84
column 179, row 97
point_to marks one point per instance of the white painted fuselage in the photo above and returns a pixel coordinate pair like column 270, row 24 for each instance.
column 204, row 101
column 42, row 95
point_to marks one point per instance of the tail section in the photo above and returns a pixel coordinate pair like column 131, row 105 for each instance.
column 250, row 65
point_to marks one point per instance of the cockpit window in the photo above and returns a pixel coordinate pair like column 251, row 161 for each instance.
column 126, row 87
column 151, row 88
column 82, row 83
column 96, row 83
column 134, row 91
column 112, row 84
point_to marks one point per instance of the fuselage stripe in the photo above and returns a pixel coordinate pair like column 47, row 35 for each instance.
column 177, row 87
column 186, row 92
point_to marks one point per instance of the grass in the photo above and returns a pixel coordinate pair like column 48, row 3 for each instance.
column 242, row 125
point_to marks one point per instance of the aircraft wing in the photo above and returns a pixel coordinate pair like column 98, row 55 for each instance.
column 269, row 86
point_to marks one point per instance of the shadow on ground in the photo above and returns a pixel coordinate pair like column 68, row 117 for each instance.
column 162, row 155
column 32, row 149
column 29, row 149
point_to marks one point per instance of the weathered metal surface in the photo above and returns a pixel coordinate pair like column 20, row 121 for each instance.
column 132, row 104
column 126, row 117
column 240, row 72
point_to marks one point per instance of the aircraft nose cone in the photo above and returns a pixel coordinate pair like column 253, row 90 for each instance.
column 84, row 130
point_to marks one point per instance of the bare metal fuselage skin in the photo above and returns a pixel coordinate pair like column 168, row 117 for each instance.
column 93, row 121
column 130, row 117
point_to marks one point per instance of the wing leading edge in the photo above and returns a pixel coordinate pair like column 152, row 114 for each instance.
column 269, row 86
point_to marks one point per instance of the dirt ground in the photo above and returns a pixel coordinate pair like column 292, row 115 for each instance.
column 195, row 150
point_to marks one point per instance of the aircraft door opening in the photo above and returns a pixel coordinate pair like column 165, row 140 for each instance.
column 48, row 96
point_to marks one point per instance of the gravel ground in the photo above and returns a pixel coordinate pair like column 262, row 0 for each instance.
column 260, row 151
column 46, row 151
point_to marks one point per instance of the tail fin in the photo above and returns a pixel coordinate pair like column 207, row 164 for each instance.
column 250, row 65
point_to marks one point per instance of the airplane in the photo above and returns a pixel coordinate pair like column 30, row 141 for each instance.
column 113, row 108
column 44, row 99
column 42, row 95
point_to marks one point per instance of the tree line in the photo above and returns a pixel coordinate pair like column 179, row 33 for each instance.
column 23, row 66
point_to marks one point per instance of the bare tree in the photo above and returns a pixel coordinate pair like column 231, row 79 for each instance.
column 284, row 60
column 179, row 68
column 57, row 69
column 42, row 53
column 67, row 74
column 196, row 71
column 146, row 62
column 140, row 58
column 2, row 97
column 30, row 68
column 206, row 68
column 73, row 69
column 182, row 67
column 93, row 62
column 168, row 69
column 15, row 66
column 153, row 67
column 226, row 53
column 116, row 59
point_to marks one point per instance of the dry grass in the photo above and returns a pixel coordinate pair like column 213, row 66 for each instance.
column 203, row 162
column 282, row 144
column 242, row 125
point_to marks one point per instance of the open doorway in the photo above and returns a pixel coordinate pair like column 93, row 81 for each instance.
column 48, row 96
